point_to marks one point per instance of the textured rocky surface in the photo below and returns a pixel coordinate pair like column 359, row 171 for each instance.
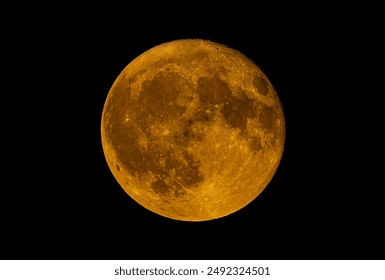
column 193, row 130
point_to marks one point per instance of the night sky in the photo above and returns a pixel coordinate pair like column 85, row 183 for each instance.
column 62, row 202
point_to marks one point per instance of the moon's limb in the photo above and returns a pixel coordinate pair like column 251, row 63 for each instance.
column 193, row 130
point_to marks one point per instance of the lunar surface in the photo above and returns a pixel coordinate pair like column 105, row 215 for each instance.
column 192, row 130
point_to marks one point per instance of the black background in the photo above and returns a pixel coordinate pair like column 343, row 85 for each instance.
column 60, row 201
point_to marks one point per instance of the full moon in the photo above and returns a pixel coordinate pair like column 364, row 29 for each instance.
column 192, row 130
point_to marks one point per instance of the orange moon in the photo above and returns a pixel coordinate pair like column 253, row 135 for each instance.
column 192, row 130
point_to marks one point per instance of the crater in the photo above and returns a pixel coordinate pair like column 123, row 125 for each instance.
column 261, row 84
